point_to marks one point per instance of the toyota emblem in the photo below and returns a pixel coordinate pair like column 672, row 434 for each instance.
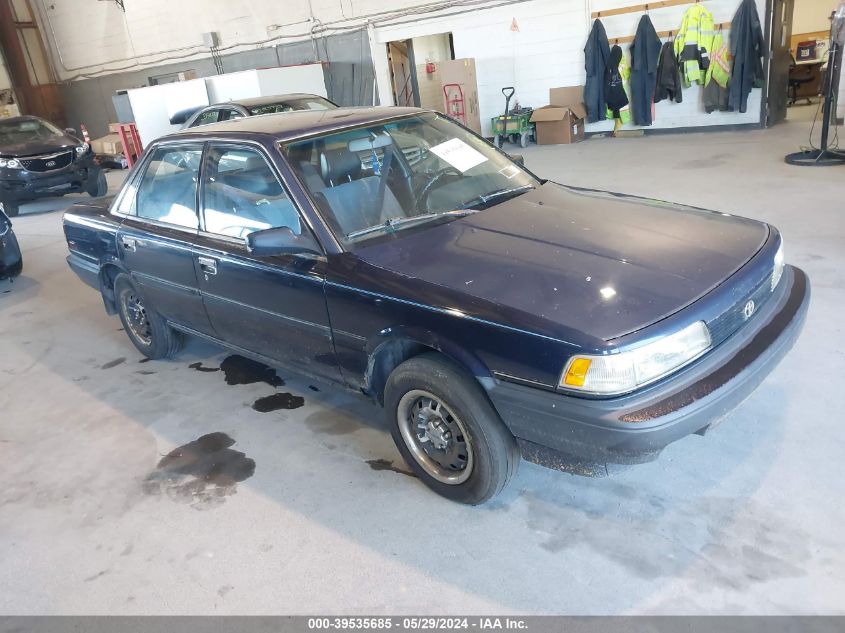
column 50, row 163
column 748, row 309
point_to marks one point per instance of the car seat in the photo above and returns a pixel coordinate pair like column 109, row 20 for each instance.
column 353, row 201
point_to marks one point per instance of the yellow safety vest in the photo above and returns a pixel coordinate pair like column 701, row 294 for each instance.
column 694, row 43
column 720, row 65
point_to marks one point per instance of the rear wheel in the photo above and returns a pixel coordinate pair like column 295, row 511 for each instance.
column 448, row 431
column 147, row 330
column 497, row 141
column 10, row 208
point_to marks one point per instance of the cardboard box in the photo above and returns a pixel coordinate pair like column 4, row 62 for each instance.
column 562, row 121
column 556, row 125
column 109, row 144
column 9, row 110
column 462, row 72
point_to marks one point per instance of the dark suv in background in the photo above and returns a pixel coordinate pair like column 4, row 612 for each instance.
column 37, row 160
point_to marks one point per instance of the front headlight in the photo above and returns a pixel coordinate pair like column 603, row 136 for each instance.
column 82, row 149
column 777, row 271
column 628, row 370
column 10, row 163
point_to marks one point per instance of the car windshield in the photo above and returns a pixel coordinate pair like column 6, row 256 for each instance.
column 390, row 176
column 17, row 131
column 288, row 105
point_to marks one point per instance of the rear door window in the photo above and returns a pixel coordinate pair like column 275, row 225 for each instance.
column 167, row 191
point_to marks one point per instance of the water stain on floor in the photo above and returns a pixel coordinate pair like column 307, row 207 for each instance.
column 200, row 367
column 113, row 363
column 712, row 542
column 384, row 464
column 245, row 371
column 277, row 401
column 201, row 473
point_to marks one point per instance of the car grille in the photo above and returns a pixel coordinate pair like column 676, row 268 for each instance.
column 47, row 162
column 722, row 326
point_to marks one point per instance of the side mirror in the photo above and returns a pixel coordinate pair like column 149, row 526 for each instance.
column 519, row 159
column 71, row 131
column 280, row 241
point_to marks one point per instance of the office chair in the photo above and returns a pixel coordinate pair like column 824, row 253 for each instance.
column 798, row 76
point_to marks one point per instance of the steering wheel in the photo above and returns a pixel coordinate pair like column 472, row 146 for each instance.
column 432, row 184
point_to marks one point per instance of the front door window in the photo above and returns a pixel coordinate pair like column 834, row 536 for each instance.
column 241, row 194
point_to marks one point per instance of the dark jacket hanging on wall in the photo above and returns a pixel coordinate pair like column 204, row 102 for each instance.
column 747, row 49
column 668, row 76
column 596, row 54
column 614, row 88
column 644, row 51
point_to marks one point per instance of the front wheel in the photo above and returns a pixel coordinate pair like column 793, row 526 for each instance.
column 97, row 186
column 145, row 327
column 523, row 139
column 447, row 430
column 10, row 208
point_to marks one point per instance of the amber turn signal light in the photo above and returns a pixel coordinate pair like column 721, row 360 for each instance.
column 577, row 372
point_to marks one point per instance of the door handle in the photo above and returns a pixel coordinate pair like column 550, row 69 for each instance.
column 208, row 265
column 129, row 244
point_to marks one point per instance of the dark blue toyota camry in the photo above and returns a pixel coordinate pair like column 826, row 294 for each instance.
column 492, row 313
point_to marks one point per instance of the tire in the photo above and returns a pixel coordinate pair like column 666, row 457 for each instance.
column 523, row 139
column 97, row 186
column 10, row 208
column 482, row 448
column 147, row 330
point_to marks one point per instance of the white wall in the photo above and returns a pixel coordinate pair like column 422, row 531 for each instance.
column 810, row 16
column 91, row 36
column 545, row 53
column 431, row 48
column 548, row 52
column 5, row 80
column 689, row 113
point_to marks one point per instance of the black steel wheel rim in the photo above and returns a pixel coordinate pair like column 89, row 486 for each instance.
column 436, row 437
column 136, row 317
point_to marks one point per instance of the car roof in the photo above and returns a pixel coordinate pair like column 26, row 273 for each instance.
column 255, row 102
column 289, row 125
column 22, row 117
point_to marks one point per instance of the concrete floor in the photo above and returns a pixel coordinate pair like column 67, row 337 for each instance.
column 745, row 520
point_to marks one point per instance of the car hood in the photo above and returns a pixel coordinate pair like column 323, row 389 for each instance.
column 600, row 263
column 42, row 146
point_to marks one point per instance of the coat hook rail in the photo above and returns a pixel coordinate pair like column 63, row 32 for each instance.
column 662, row 34
column 640, row 8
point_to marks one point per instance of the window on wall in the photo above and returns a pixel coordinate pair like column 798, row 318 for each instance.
column 32, row 47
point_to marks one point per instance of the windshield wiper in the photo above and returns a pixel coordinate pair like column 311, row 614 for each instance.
column 394, row 223
column 499, row 193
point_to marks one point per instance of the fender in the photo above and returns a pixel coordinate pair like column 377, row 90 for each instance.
column 426, row 338
column 108, row 261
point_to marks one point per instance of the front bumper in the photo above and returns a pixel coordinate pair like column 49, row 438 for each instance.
column 635, row 428
column 21, row 185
